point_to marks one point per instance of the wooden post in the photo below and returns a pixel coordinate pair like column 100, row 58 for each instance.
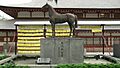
column 16, row 40
column 45, row 30
column 102, row 37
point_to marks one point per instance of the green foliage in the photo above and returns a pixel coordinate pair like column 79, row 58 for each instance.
column 11, row 65
column 88, row 66
column 3, row 57
column 22, row 67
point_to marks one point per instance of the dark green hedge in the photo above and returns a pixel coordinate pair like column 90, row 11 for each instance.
column 11, row 65
column 3, row 57
column 88, row 66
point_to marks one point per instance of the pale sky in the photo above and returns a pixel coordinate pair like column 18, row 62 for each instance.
column 9, row 2
column 5, row 16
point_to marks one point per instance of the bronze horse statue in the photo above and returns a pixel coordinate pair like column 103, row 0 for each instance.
column 57, row 18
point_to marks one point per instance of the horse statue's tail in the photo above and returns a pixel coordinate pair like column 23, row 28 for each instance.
column 76, row 21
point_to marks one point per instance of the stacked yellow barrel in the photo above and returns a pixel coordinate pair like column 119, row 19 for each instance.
column 61, row 31
column 29, row 39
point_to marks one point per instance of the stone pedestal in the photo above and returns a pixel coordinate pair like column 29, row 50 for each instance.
column 116, row 50
column 63, row 50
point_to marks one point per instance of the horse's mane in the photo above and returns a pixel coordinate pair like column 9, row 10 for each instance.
column 49, row 5
column 51, row 8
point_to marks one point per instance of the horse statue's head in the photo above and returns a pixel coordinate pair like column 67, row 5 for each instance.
column 46, row 6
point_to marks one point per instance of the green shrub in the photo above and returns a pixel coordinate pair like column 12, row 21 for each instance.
column 22, row 67
column 3, row 57
column 117, row 65
column 88, row 66
column 11, row 65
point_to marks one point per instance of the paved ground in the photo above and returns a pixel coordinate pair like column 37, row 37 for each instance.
column 94, row 61
column 96, row 53
column 32, row 61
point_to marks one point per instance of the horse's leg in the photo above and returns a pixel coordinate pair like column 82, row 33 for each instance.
column 74, row 26
column 73, row 30
column 70, row 25
column 53, row 29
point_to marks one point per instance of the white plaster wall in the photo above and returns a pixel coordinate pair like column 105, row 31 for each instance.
column 9, row 24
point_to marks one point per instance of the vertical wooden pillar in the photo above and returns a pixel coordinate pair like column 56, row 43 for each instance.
column 102, row 37
column 44, row 30
column 6, row 45
column 16, row 35
column 44, row 14
column 30, row 14
column 110, row 15
column 84, row 15
column 98, row 15
column 7, row 37
column 93, row 40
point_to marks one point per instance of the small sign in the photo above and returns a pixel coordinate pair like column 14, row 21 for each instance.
column 43, row 60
